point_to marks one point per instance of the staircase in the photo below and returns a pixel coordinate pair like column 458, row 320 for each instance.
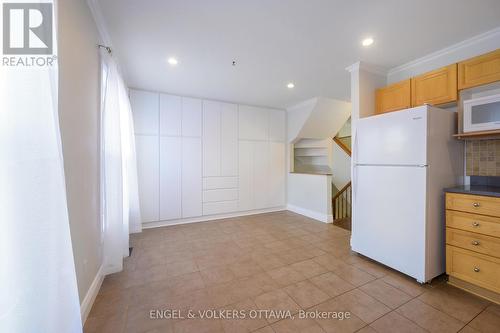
column 341, row 200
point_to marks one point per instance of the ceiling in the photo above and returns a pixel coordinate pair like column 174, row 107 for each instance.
column 278, row 41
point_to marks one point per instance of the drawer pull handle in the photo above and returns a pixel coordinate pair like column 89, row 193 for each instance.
column 476, row 204
column 475, row 243
column 476, row 269
column 475, row 224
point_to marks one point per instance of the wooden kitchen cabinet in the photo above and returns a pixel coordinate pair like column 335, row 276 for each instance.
column 473, row 243
column 394, row 97
column 479, row 70
column 436, row 87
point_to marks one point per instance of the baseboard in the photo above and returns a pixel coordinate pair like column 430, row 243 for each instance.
column 158, row 224
column 310, row 213
column 89, row 299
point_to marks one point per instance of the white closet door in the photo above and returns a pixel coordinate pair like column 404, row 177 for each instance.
column 277, row 121
column 253, row 123
column 145, row 111
column 245, row 175
column 170, row 115
column 211, row 139
column 191, row 117
column 276, row 177
column 170, row 178
column 191, row 177
column 148, row 176
column 261, row 174
column 229, row 139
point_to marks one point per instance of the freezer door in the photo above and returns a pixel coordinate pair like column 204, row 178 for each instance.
column 394, row 138
column 389, row 216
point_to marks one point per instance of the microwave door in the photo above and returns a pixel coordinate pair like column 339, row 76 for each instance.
column 482, row 114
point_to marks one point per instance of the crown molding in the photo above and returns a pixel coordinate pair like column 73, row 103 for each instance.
column 491, row 34
column 96, row 11
column 360, row 65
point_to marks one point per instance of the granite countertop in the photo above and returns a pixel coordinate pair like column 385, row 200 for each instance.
column 491, row 191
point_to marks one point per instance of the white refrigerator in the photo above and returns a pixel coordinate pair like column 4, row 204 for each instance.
column 402, row 161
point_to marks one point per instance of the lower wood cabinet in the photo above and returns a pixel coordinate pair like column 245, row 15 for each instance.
column 394, row 97
column 435, row 87
column 473, row 243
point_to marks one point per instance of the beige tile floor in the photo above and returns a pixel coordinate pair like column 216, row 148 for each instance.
column 279, row 261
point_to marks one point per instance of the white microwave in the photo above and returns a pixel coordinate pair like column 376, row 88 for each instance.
column 482, row 114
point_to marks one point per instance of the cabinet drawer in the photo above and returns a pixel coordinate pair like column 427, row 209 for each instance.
column 473, row 204
column 474, row 242
column 480, row 224
column 473, row 267
column 220, row 195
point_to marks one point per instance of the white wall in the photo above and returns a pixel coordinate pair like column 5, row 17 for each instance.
column 310, row 195
column 341, row 167
column 79, row 121
column 202, row 159
column 317, row 118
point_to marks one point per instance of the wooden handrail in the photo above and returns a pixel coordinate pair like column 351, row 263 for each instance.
column 339, row 193
column 342, row 145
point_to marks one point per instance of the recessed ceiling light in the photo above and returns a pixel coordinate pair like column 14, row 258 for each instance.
column 290, row 85
column 367, row 41
column 172, row 61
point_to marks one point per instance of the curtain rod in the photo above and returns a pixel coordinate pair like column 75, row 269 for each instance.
column 107, row 48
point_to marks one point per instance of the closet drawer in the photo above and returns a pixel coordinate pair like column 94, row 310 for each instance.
column 472, row 267
column 220, row 195
column 474, row 242
column 481, row 224
column 215, row 183
column 211, row 208
column 473, row 204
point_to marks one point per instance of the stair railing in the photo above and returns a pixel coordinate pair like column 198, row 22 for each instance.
column 341, row 203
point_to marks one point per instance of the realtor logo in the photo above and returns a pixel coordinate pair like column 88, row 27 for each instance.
column 27, row 28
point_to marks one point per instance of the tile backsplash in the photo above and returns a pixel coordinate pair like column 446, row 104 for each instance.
column 482, row 157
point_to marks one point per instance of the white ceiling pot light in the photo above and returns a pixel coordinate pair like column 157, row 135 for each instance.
column 290, row 85
column 367, row 42
column 172, row 61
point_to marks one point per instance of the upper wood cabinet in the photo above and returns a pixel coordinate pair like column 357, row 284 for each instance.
column 479, row 70
column 394, row 97
column 436, row 87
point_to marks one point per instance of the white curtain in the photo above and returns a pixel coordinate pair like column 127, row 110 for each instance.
column 38, row 291
column 121, row 213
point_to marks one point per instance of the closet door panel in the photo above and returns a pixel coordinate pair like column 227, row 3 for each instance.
column 170, row 115
column 148, row 178
column 276, row 179
column 191, row 177
column 253, row 123
column 261, row 174
column 229, row 139
column 145, row 108
column 170, row 178
column 245, row 176
column 277, row 120
column 191, row 116
column 211, row 139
